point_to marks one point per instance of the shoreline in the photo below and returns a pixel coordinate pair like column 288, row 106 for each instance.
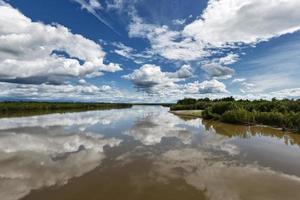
column 188, row 113
column 20, row 109
column 197, row 114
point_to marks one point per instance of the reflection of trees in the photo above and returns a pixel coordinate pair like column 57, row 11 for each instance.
column 242, row 131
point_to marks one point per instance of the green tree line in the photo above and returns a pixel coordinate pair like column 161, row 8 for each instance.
column 278, row 113
column 32, row 108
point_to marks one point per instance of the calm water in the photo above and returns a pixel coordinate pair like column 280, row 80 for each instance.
column 144, row 153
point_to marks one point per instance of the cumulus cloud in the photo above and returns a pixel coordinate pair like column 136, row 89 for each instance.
column 205, row 87
column 52, row 54
column 216, row 70
column 217, row 35
column 45, row 53
column 151, row 79
column 226, row 22
column 223, row 24
column 184, row 72
column 149, row 76
column 82, row 92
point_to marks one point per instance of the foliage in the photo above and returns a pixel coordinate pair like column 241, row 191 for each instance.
column 187, row 101
column 32, row 108
column 238, row 116
column 279, row 113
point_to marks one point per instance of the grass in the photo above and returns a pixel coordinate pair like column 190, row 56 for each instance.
column 188, row 113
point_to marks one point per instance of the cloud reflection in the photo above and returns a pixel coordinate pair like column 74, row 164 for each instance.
column 42, row 151
column 221, row 179
column 159, row 124
column 32, row 161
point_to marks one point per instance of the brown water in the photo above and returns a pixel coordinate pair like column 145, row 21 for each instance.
column 144, row 152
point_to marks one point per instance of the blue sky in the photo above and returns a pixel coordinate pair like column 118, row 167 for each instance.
column 149, row 51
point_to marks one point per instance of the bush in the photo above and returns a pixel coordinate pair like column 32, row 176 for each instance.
column 187, row 101
column 270, row 118
column 280, row 113
column 238, row 116
column 208, row 114
column 222, row 107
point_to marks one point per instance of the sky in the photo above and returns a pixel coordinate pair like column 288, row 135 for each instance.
column 149, row 50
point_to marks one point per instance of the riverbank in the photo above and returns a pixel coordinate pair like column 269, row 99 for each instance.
column 193, row 114
column 283, row 114
column 188, row 113
column 15, row 109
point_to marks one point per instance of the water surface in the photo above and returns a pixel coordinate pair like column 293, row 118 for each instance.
column 144, row 152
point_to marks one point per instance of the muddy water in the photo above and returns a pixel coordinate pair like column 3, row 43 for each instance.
column 144, row 152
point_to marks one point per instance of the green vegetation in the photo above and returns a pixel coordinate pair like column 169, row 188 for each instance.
column 153, row 104
column 278, row 113
column 11, row 109
column 188, row 113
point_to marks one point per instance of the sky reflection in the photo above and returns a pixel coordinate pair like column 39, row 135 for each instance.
column 217, row 159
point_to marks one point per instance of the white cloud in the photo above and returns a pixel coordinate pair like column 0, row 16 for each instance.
column 89, row 5
column 248, row 87
column 250, row 21
column 130, row 53
column 123, row 50
column 166, row 42
column 229, row 59
column 224, row 23
column 267, row 87
column 287, row 93
column 82, row 92
column 238, row 80
column 179, row 21
column 205, row 87
column 34, row 49
column 41, row 53
column 82, row 82
column 93, row 6
column 184, row 72
column 115, row 4
column 151, row 79
column 216, row 70
column 269, row 81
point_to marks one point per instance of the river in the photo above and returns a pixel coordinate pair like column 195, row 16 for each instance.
column 144, row 152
